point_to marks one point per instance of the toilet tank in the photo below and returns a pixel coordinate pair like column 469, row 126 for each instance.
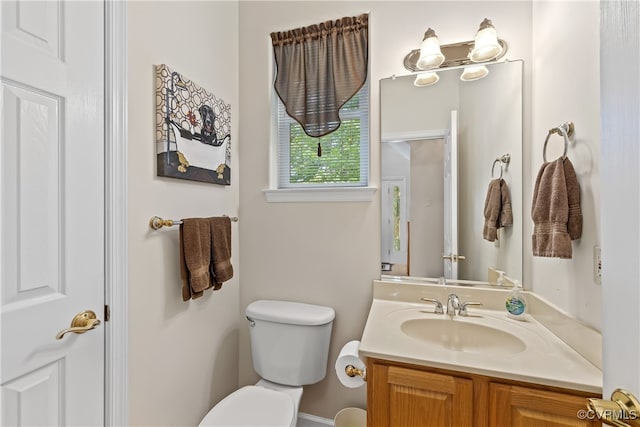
column 290, row 340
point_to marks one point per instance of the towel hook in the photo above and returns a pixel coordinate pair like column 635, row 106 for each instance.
column 566, row 130
column 505, row 159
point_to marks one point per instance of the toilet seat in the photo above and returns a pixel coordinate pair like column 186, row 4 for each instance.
column 252, row 406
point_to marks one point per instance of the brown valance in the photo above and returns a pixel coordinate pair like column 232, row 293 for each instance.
column 319, row 68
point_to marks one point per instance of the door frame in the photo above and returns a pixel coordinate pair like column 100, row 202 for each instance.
column 116, row 254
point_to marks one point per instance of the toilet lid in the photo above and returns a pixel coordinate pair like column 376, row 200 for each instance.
column 252, row 406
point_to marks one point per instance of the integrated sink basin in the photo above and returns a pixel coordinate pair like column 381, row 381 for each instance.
column 463, row 336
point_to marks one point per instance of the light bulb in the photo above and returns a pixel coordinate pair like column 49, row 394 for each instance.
column 430, row 54
column 426, row 79
column 475, row 72
column 485, row 46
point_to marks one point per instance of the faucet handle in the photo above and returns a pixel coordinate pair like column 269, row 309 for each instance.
column 438, row 309
column 463, row 308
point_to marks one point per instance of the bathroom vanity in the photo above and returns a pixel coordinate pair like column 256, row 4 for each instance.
column 401, row 394
column 477, row 369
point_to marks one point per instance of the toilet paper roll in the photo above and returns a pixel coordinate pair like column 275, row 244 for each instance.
column 349, row 356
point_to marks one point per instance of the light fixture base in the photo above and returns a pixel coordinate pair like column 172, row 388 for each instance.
column 455, row 54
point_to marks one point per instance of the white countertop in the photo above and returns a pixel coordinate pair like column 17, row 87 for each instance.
column 545, row 359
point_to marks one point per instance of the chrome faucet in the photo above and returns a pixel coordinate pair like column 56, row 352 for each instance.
column 453, row 303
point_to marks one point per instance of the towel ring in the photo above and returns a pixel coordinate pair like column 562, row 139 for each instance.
column 506, row 159
column 493, row 167
column 566, row 130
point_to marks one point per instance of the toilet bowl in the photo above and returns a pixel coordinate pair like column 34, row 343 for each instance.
column 256, row 405
column 290, row 348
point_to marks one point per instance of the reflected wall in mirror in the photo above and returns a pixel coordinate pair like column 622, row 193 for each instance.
column 439, row 144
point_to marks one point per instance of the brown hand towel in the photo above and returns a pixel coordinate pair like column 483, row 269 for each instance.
column 195, row 257
column 491, row 211
column 555, row 209
column 506, row 215
column 221, row 250
column 574, row 223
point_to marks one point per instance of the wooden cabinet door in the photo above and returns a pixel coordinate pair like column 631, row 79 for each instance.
column 414, row 398
column 519, row 407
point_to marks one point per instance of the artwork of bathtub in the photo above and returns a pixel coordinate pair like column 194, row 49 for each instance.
column 193, row 130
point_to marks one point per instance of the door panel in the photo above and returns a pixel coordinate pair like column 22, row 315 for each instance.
column 52, row 226
column 41, row 389
column 526, row 407
column 31, row 149
column 418, row 398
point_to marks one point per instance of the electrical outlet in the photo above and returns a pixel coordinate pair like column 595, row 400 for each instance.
column 597, row 265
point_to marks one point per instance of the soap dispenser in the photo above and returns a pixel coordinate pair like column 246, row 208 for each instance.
column 516, row 303
column 500, row 280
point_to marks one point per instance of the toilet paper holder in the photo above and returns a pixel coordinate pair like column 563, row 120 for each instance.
column 352, row 371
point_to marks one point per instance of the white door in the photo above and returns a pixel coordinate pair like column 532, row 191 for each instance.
column 619, row 183
column 451, row 256
column 51, row 216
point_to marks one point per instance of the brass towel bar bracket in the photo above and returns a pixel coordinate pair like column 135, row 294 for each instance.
column 157, row 223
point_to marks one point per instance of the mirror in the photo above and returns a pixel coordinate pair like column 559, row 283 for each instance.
column 439, row 151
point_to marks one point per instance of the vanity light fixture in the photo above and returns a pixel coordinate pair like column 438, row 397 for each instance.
column 484, row 48
column 474, row 72
column 426, row 79
column 430, row 54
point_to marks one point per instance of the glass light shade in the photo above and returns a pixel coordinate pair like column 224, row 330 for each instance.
column 426, row 79
column 485, row 46
column 430, row 54
column 475, row 72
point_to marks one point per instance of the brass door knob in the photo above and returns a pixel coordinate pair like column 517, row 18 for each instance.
column 81, row 323
column 622, row 410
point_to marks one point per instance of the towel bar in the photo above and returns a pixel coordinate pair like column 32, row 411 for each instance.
column 157, row 223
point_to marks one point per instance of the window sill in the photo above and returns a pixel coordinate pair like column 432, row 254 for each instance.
column 344, row 194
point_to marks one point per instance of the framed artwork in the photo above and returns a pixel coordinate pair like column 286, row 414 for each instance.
column 193, row 130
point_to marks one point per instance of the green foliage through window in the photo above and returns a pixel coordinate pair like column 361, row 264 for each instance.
column 340, row 160
column 345, row 151
column 396, row 218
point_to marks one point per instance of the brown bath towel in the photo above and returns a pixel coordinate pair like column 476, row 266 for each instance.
column 497, row 209
column 555, row 209
column 205, row 255
column 195, row 257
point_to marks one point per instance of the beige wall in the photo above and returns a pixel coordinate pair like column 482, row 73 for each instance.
column 328, row 253
column 183, row 356
column 566, row 86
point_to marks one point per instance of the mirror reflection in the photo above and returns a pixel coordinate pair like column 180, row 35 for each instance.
column 441, row 147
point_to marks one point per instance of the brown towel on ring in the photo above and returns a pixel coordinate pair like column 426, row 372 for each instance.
column 497, row 209
column 555, row 209
column 205, row 255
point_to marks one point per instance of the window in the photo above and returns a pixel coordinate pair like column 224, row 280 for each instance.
column 344, row 159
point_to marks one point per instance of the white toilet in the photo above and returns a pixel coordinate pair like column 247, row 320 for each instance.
column 290, row 348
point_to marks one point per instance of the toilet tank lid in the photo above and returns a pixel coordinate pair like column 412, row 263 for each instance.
column 294, row 313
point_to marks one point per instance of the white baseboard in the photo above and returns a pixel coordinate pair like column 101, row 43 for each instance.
column 314, row 420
